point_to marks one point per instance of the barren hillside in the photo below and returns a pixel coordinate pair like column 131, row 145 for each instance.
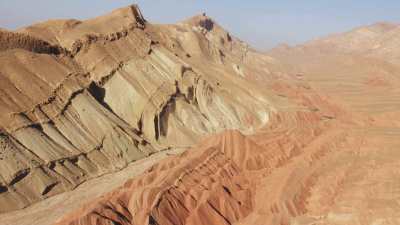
column 299, row 135
column 84, row 98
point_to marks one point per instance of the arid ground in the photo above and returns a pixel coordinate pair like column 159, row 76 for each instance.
column 115, row 120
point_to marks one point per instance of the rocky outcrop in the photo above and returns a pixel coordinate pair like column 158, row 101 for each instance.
column 303, row 167
column 83, row 98
column 220, row 181
column 207, row 181
column 11, row 40
column 308, row 136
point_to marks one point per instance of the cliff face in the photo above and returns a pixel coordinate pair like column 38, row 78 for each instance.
column 301, row 136
column 327, row 155
column 83, row 98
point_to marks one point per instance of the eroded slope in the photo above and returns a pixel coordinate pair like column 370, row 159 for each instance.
column 84, row 98
column 306, row 167
column 327, row 156
column 120, row 89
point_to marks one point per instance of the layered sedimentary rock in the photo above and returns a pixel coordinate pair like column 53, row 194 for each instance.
column 191, row 189
column 317, row 161
column 300, row 135
column 305, row 167
column 83, row 98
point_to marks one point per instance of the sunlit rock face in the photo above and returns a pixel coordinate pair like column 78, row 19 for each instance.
column 299, row 135
column 83, row 98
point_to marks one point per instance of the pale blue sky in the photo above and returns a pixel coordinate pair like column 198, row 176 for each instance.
column 262, row 23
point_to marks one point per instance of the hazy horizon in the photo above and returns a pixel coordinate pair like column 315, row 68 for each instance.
column 262, row 24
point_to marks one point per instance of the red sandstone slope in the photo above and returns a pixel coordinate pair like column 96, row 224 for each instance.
column 215, row 183
column 322, row 135
column 302, row 169
column 316, row 162
column 79, row 99
column 224, row 180
column 197, row 187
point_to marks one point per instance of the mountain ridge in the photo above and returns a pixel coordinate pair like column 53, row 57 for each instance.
column 118, row 90
column 229, row 135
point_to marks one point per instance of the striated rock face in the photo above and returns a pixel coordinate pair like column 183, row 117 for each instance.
column 304, row 167
column 83, row 98
column 11, row 40
column 205, row 186
column 301, row 135
column 327, row 155
column 178, row 197
column 72, row 33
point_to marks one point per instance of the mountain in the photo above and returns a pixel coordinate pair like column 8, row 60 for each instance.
column 351, row 65
column 83, row 98
column 115, row 120
column 379, row 41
